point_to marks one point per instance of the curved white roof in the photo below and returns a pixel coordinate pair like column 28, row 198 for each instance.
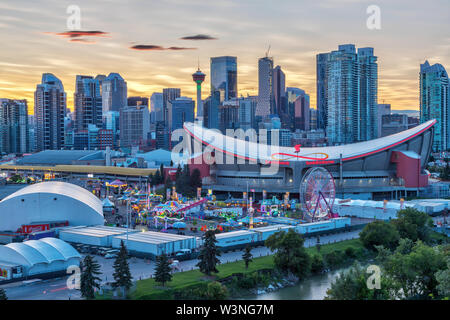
column 49, row 202
column 254, row 151
column 32, row 255
column 62, row 188
column 66, row 250
column 48, row 251
column 33, row 252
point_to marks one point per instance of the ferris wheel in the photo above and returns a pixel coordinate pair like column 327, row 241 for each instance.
column 317, row 193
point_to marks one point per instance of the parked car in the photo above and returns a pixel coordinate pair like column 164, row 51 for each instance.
column 175, row 265
column 182, row 252
column 110, row 256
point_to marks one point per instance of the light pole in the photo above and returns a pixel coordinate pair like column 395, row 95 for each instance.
column 128, row 214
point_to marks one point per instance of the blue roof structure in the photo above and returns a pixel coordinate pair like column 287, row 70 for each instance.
column 64, row 157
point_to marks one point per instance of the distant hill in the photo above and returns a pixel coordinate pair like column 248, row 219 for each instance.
column 411, row 113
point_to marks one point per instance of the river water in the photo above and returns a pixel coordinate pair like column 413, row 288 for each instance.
column 313, row 288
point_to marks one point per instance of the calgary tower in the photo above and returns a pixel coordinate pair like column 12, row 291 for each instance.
column 198, row 78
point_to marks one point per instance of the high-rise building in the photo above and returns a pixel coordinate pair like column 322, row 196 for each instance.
column 49, row 110
column 100, row 78
column 393, row 123
column 169, row 94
column 156, row 107
column 87, row 102
column 279, row 91
column 434, row 102
column 302, row 112
column 224, row 77
column 162, row 136
column 134, row 125
column 211, row 111
column 32, row 132
column 137, row 101
column 288, row 120
column 368, row 94
column 14, row 132
column 313, row 120
column 229, row 115
column 180, row 110
column 111, row 122
column 265, row 103
column 383, row 109
column 321, row 86
column 247, row 108
column 113, row 92
column 198, row 78
column 351, row 84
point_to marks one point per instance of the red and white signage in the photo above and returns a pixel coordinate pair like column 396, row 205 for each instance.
column 35, row 228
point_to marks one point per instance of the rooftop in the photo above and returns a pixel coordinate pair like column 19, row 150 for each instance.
column 55, row 157
column 154, row 237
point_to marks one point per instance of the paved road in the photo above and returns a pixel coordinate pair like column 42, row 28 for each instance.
column 56, row 289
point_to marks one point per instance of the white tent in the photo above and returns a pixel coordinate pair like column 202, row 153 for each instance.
column 50, row 202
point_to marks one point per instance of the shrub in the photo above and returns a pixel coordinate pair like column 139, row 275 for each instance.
column 246, row 283
column 317, row 264
column 334, row 259
column 216, row 291
column 350, row 252
column 379, row 233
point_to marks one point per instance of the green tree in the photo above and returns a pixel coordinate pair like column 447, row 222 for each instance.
column 415, row 272
column 168, row 184
column 290, row 255
column 405, row 246
column 379, row 233
column 3, row 294
column 162, row 271
column 161, row 173
column 122, row 275
column 334, row 259
column 443, row 279
column 247, row 256
column 317, row 264
column 157, row 177
column 208, row 254
column 216, row 291
column 89, row 280
column 195, row 180
column 350, row 252
column 179, row 182
column 352, row 285
column 413, row 224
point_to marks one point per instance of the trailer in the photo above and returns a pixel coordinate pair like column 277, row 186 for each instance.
column 96, row 236
column 236, row 238
column 154, row 243
column 321, row 226
column 265, row 232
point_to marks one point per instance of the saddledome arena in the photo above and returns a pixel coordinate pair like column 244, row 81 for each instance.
column 391, row 167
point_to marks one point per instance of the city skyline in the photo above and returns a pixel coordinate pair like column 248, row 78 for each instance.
column 150, row 55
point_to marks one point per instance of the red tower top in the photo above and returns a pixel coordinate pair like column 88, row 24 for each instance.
column 198, row 77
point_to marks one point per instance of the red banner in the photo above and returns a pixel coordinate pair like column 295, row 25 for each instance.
column 35, row 228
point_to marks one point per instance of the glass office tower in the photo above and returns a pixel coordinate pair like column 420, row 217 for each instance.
column 224, row 77
column 434, row 102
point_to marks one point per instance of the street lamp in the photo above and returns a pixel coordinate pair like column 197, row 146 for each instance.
column 128, row 214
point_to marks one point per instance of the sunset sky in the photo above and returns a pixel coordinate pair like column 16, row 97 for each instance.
column 34, row 39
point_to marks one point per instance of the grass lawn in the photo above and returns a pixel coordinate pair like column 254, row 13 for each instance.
column 327, row 248
column 148, row 289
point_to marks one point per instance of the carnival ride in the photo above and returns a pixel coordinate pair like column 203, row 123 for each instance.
column 317, row 193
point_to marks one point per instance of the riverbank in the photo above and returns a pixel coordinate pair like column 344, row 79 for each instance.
column 262, row 268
